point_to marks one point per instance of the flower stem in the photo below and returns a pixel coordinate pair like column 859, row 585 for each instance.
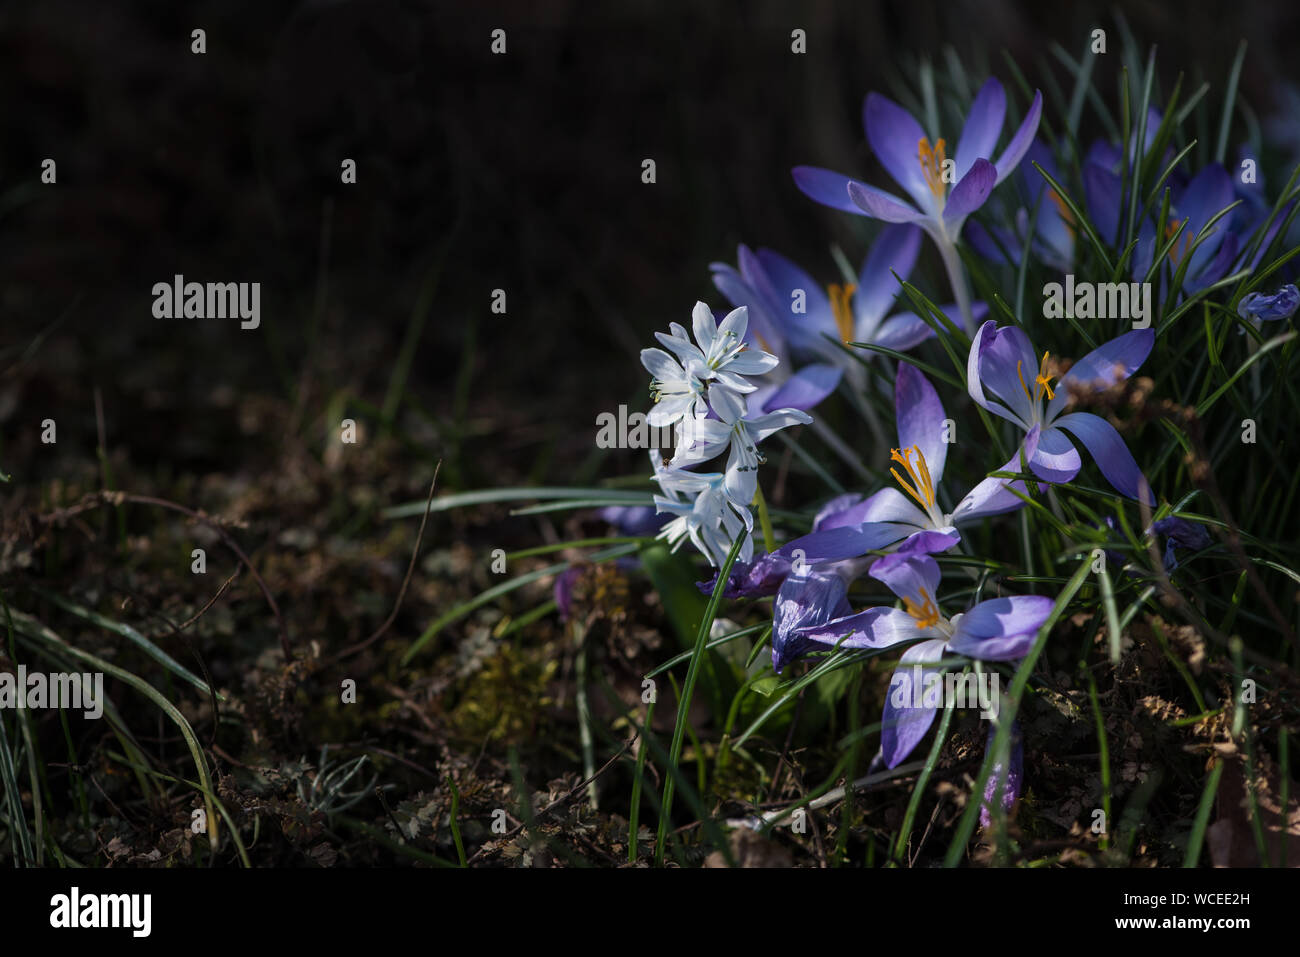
column 764, row 520
column 957, row 279
column 684, row 700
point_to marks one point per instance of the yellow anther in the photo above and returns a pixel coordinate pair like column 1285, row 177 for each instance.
column 932, row 162
column 841, row 309
column 1042, row 383
column 926, row 614
column 922, row 487
column 1066, row 216
column 1020, row 373
column 1180, row 247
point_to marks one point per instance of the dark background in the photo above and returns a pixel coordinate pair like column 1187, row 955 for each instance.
column 475, row 172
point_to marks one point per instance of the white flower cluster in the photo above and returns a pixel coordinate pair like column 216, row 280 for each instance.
column 703, row 393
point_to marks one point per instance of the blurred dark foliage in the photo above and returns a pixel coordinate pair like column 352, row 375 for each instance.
column 525, row 168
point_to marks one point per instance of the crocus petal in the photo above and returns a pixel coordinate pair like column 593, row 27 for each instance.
column 837, row 543
column 1110, row 453
column 826, row 187
column 983, row 126
column 840, row 511
column 1183, row 532
column 872, row 628
column 995, row 244
column 757, row 580
column 1154, row 118
column 1103, row 367
column 1208, row 193
column 929, row 542
column 563, row 590
column 908, row 575
column 992, row 363
column 1104, row 154
column 805, row 389
column 1008, row 777
column 794, row 287
column 1180, row 533
column 881, row 205
column 974, row 387
column 636, row 520
column 1102, row 194
column 890, row 505
column 895, row 137
column 902, row 726
column 770, row 315
column 1268, row 308
column 1274, row 227
column 903, row 331
column 969, row 194
column 1019, row 144
column 1001, row 629
column 920, row 418
column 765, row 576
column 894, row 252
column 1208, row 273
column 1035, row 184
column 731, row 284
column 807, row 598
column 992, row 496
column 1055, row 459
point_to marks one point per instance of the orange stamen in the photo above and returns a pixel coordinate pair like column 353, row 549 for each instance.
column 922, row 487
column 932, row 163
column 841, row 309
column 926, row 614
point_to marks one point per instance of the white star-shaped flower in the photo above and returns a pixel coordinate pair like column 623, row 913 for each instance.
column 709, row 371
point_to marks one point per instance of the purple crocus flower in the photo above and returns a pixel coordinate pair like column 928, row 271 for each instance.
column 633, row 520
column 839, row 534
column 1000, row 629
column 1053, row 230
column 923, row 170
column 851, row 526
column 812, row 320
column 562, row 590
column 1180, row 533
column 809, row 596
column 1010, row 777
column 1208, row 194
column 1001, row 371
column 1254, row 204
column 1103, row 167
column 923, row 441
column 1281, row 305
